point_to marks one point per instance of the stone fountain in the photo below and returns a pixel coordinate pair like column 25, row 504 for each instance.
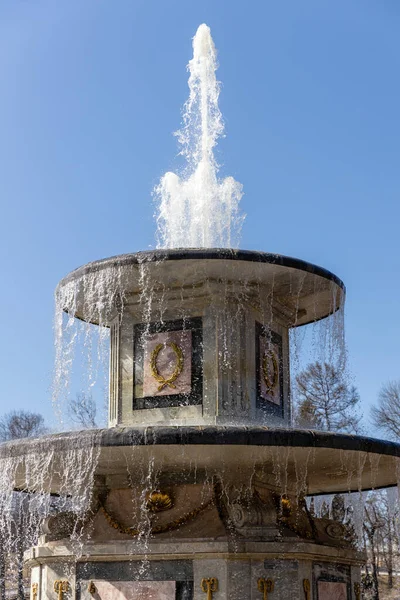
column 197, row 489
column 199, row 481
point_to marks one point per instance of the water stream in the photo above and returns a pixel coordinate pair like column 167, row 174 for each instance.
column 196, row 209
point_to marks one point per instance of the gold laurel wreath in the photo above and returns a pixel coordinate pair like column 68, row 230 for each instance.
column 270, row 385
column 166, row 381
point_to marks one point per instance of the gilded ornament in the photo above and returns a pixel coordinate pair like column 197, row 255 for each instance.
column 266, row 586
column 270, row 383
column 286, row 507
column 307, row 589
column 35, row 589
column 92, row 588
column 166, row 381
column 159, row 501
column 357, row 590
column 209, row 586
column 61, row 587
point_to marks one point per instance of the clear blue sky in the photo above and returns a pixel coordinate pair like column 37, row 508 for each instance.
column 91, row 91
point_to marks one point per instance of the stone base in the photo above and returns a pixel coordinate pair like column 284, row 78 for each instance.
column 187, row 540
column 233, row 577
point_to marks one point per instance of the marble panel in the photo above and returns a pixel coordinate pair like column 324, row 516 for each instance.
column 135, row 590
column 332, row 590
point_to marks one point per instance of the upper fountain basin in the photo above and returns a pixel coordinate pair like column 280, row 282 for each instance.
column 307, row 292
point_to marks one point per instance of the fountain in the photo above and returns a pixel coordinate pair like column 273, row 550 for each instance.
column 197, row 489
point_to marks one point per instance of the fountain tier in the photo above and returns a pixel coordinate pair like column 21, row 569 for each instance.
column 216, row 321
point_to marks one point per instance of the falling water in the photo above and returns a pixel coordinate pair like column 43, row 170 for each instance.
column 198, row 209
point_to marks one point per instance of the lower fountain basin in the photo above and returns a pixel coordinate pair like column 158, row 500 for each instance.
column 309, row 462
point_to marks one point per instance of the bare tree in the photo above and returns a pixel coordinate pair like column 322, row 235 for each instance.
column 20, row 424
column 325, row 400
column 83, row 411
column 386, row 416
column 380, row 538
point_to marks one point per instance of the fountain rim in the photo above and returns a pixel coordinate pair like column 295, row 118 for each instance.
column 149, row 256
column 204, row 435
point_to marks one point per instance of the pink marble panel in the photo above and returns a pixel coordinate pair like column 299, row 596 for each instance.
column 269, row 350
column 166, row 362
column 332, row 590
column 135, row 590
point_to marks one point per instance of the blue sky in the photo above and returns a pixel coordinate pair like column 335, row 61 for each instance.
column 91, row 92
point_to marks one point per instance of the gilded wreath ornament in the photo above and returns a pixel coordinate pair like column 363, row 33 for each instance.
column 170, row 526
column 166, row 381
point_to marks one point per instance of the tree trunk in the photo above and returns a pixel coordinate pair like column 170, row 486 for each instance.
column 370, row 531
column 375, row 592
column 390, row 555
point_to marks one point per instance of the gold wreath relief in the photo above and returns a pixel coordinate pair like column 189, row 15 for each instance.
column 166, row 381
column 270, row 383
